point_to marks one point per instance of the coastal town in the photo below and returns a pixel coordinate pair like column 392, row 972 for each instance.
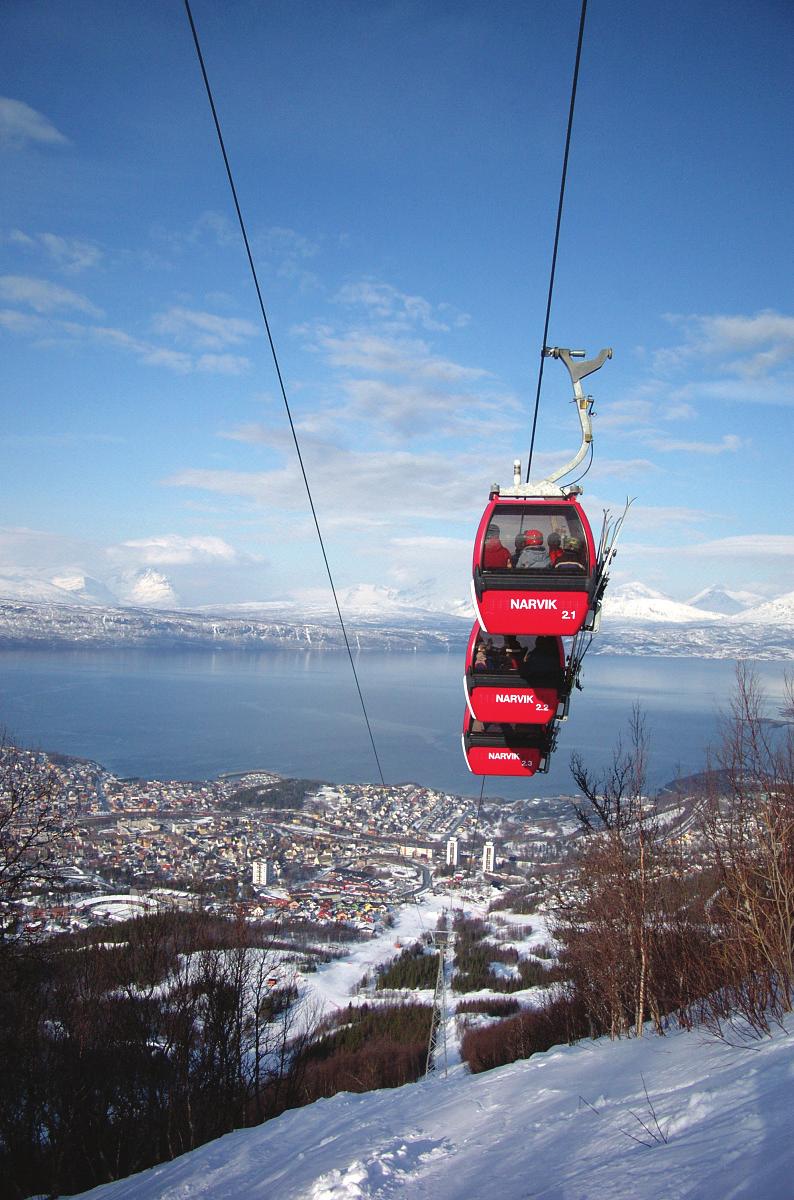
column 269, row 847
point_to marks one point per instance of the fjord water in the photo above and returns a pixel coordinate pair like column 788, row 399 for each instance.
column 195, row 715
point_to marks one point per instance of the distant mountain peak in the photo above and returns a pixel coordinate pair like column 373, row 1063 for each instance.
column 83, row 587
column 721, row 599
column 149, row 589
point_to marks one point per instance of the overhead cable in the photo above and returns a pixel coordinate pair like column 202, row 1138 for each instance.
column 280, row 378
column 557, row 229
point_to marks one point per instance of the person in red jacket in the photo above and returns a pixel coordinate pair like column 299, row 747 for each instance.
column 495, row 557
column 554, row 543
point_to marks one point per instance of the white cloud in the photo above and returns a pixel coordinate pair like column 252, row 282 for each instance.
column 746, row 351
column 20, row 124
column 643, row 410
column 739, row 547
column 288, row 251
column 618, row 468
column 43, row 296
column 203, row 330
column 70, row 254
column 223, row 364
column 644, row 518
column 766, row 328
column 400, row 309
column 363, row 350
column 173, row 549
column 279, row 239
column 150, row 354
column 730, row 443
column 25, row 324
column 216, row 226
column 396, row 486
column 431, row 544
column 415, row 408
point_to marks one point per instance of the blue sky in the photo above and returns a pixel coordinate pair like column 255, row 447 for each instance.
column 398, row 166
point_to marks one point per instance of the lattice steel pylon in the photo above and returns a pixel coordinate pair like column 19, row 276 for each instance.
column 438, row 1021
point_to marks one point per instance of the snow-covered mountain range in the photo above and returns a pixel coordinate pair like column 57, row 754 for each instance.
column 636, row 620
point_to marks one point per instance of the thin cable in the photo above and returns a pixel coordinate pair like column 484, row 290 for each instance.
column 476, row 827
column 557, row 229
column 280, row 378
column 587, row 468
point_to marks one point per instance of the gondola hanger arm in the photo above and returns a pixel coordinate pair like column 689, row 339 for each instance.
column 578, row 369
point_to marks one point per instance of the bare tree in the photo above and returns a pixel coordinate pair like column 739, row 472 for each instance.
column 614, row 800
column 611, row 920
column 750, row 829
column 32, row 824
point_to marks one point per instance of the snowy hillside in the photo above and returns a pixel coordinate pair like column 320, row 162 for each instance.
column 43, row 591
column 565, row 1125
column 636, row 602
column 637, row 620
column 778, row 613
column 365, row 602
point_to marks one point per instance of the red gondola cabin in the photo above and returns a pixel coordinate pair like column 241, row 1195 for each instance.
column 515, row 678
column 534, row 560
column 507, row 749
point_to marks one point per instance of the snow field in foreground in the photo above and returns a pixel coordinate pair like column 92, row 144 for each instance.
column 564, row 1125
column 559, row 1126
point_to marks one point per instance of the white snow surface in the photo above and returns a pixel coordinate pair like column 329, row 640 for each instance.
column 365, row 601
column 26, row 589
column 778, row 613
column 636, row 602
column 84, row 589
column 564, row 1125
column 149, row 589
column 558, row 1126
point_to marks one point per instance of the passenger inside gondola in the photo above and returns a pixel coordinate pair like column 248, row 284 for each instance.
column 554, row 543
column 509, row 654
column 511, row 731
column 539, row 541
column 496, row 557
column 572, row 558
column 534, row 556
column 544, row 654
column 515, row 655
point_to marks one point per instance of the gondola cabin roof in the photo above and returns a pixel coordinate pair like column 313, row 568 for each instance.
column 533, row 564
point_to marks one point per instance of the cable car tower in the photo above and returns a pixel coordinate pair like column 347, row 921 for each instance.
column 438, row 1019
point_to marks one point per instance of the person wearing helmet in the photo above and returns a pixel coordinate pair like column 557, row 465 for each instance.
column 572, row 557
column 534, row 556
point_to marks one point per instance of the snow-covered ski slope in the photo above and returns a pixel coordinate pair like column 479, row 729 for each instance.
column 559, row 1126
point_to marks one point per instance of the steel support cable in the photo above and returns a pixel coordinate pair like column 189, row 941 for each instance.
column 293, row 431
column 557, row 229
